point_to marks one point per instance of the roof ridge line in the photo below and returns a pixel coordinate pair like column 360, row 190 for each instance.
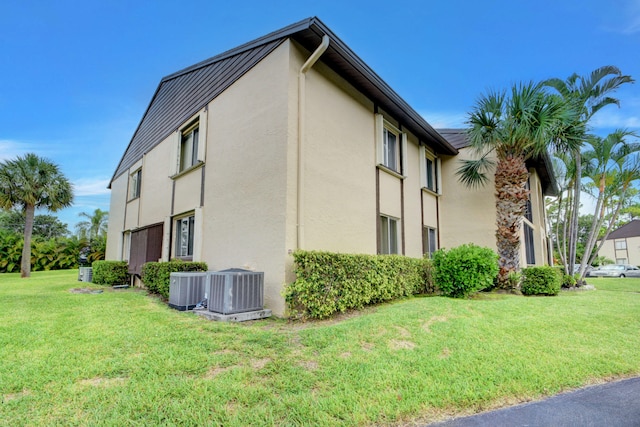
column 280, row 33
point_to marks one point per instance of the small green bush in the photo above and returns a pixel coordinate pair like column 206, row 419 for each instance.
column 328, row 283
column 566, row 280
column 110, row 273
column 541, row 281
column 461, row 271
column 156, row 275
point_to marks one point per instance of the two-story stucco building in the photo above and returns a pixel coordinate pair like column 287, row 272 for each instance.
column 291, row 141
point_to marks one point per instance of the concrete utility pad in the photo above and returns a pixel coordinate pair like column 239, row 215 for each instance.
column 235, row 317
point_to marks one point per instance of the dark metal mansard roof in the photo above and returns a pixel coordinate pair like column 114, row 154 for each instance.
column 542, row 164
column 182, row 94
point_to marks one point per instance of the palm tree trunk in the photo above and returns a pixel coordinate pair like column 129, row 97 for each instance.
column 610, row 226
column 559, row 240
column 573, row 228
column 25, row 264
column 511, row 197
column 598, row 220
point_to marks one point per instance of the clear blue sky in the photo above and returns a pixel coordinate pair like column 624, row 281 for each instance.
column 76, row 76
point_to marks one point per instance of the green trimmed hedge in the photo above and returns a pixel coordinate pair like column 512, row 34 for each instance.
column 328, row 283
column 463, row 270
column 156, row 275
column 110, row 273
column 543, row 280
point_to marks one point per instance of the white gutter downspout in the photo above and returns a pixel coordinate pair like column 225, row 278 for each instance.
column 301, row 134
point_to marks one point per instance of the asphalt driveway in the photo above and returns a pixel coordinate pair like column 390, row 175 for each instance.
column 615, row 404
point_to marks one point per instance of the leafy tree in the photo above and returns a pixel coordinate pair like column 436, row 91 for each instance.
column 587, row 95
column 512, row 129
column 32, row 182
column 94, row 224
column 44, row 226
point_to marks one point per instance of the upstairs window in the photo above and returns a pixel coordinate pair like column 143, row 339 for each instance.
column 189, row 146
column 135, row 184
column 391, row 147
column 390, row 150
column 429, row 173
column 621, row 245
column 388, row 235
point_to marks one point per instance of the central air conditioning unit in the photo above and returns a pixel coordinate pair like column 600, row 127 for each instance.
column 186, row 290
column 85, row 274
column 235, row 291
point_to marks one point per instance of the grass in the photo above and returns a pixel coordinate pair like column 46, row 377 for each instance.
column 124, row 358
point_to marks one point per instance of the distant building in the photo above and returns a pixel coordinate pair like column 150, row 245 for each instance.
column 623, row 244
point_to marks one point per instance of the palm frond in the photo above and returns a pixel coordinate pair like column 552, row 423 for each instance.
column 474, row 173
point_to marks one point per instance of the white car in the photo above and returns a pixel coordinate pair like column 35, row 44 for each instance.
column 616, row 270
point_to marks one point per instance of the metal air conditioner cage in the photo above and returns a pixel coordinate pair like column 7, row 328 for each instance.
column 186, row 290
column 235, row 291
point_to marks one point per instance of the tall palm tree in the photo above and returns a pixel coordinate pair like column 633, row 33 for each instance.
column 31, row 183
column 587, row 95
column 94, row 224
column 505, row 131
column 612, row 165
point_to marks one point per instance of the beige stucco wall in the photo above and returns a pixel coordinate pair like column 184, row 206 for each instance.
column 155, row 193
column 116, row 217
column 340, row 170
column 467, row 215
column 339, row 177
column 188, row 190
column 246, row 175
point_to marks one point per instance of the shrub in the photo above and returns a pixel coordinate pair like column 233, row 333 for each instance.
column 156, row 275
column 110, row 273
column 541, row 281
column 327, row 283
column 461, row 271
column 56, row 253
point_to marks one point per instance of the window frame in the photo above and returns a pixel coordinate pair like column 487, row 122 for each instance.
column 429, row 241
column 193, row 130
column 389, row 239
column 182, row 163
column 179, row 246
column 394, row 151
column 135, row 184
column 528, row 213
column 529, row 244
column 390, row 158
column 430, row 171
column 622, row 243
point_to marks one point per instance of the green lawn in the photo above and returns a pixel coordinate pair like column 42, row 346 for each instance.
column 123, row 358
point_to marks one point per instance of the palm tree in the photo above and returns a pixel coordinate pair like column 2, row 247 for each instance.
column 31, row 183
column 505, row 131
column 95, row 224
column 564, row 167
column 612, row 166
column 587, row 95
